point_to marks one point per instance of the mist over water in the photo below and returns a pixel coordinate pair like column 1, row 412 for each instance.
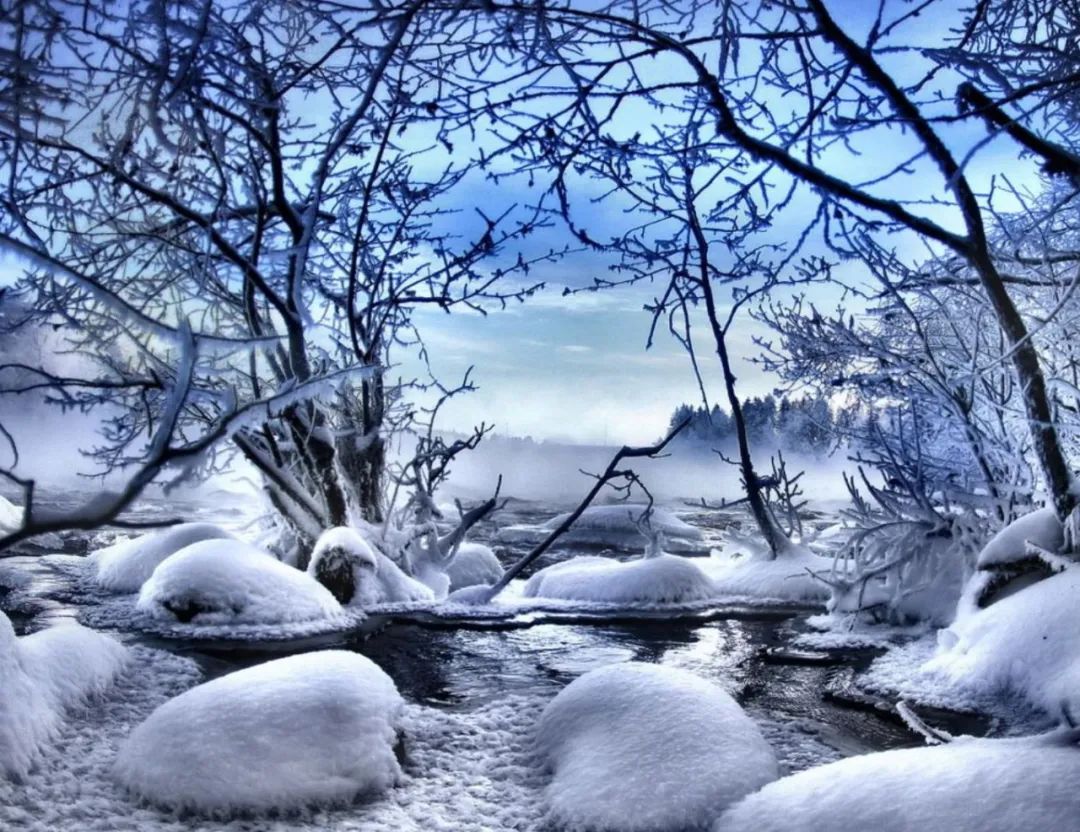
column 552, row 472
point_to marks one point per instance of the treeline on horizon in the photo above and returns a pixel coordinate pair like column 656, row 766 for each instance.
column 809, row 424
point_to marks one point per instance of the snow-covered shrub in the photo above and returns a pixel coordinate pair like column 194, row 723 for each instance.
column 908, row 557
column 125, row 566
column 1027, row 643
column 969, row 785
column 643, row 747
column 664, row 579
column 616, row 526
column 308, row 729
column 230, row 582
column 42, row 675
column 474, row 564
column 357, row 574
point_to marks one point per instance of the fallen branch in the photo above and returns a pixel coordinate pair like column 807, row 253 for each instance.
column 612, row 472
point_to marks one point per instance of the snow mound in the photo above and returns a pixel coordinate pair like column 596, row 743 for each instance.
column 642, row 747
column 474, row 564
column 1040, row 527
column 966, row 786
column 358, row 575
column 309, row 729
column 1027, row 643
column 125, row 566
column 230, row 582
column 614, row 526
column 11, row 515
column 786, row 578
column 664, row 579
column 43, row 675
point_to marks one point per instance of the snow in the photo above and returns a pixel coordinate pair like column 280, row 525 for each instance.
column 11, row 515
column 312, row 728
column 1040, row 527
column 474, row 564
column 125, row 566
column 376, row 579
column 969, row 785
column 613, row 526
column 664, row 579
column 43, row 675
column 642, row 747
column 928, row 590
column 1027, row 643
column 786, row 578
column 230, row 582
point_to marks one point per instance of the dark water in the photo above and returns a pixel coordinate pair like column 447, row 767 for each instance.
column 462, row 666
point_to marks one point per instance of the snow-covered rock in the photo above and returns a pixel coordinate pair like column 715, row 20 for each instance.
column 474, row 564
column 308, row 729
column 230, row 582
column 966, row 786
column 41, row 676
column 788, row 577
column 664, row 579
column 125, row 566
column 1040, row 527
column 1027, row 643
column 614, row 526
column 358, row 575
column 643, row 747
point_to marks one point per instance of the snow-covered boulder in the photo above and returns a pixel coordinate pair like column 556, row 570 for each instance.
column 230, row 582
column 125, row 566
column 41, row 676
column 1027, row 643
column 309, row 729
column 664, row 579
column 788, row 577
column 1005, row 565
column 614, row 526
column 474, row 564
column 358, row 575
column 1009, row 545
column 966, row 786
column 642, row 747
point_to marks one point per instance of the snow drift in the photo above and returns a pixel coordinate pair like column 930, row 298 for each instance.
column 614, row 526
column 309, row 729
column 1027, row 643
column 787, row 577
column 230, row 582
column 358, row 575
column 643, row 747
column 41, row 676
column 966, row 786
column 663, row 579
column 125, row 566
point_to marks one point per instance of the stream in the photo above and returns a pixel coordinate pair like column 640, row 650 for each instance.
column 462, row 665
